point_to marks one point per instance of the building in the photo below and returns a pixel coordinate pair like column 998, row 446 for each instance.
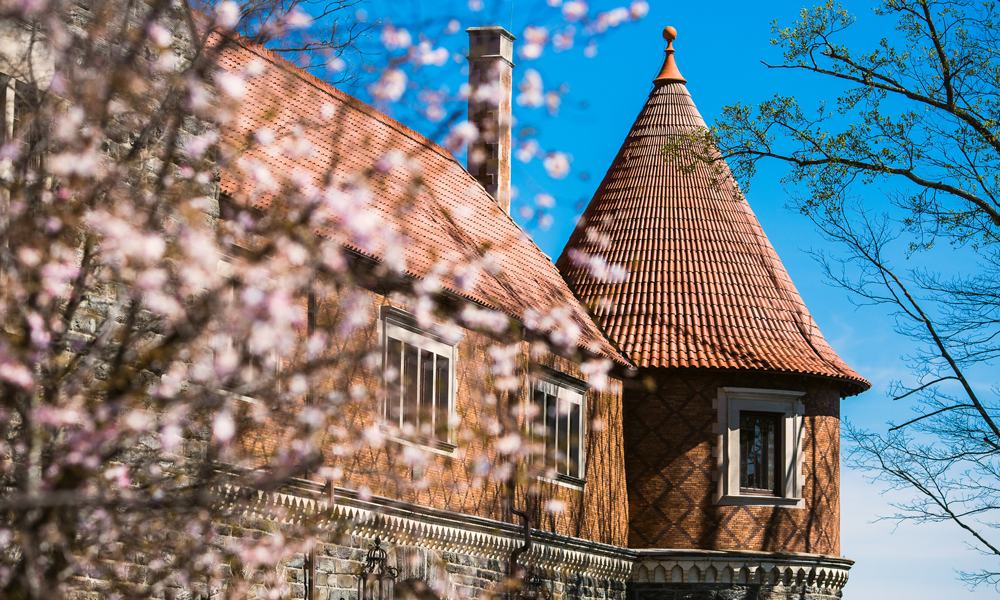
column 722, row 445
column 715, row 472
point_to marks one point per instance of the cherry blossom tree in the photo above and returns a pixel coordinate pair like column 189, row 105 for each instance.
column 167, row 352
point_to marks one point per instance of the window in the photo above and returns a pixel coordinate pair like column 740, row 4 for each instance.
column 760, row 453
column 760, row 447
column 419, row 371
column 558, row 426
column 18, row 101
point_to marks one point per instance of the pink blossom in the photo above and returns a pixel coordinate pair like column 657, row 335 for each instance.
column 574, row 10
column 545, row 200
column 390, row 161
column 171, row 437
column 484, row 319
column 394, row 38
column 231, row 84
column 552, row 102
column 425, row 54
column 159, row 35
column 118, row 474
column 223, row 426
column 336, row 64
column 535, row 39
column 596, row 372
column 531, row 89
column 196, row 146
column 639, row 9
column 463, row 134
column 227, row 14
column 557, row 165
column 563, row 40
column 15, row 373
column 297, row 19
column 509, row 444
column 527, row 150
column 391, row 86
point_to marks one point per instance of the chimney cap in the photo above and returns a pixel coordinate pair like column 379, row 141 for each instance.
column 669, row 73
column 492, row 28
column 491, row 42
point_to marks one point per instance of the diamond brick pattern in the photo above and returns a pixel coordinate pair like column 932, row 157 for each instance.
column 705, row 288
column 671, row 470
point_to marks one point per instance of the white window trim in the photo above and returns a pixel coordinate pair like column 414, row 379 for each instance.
column 403, row 327
column 563, row 389
column 729, row 403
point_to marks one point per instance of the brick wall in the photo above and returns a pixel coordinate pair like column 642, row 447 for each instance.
column 459, row 481
column 670, row 446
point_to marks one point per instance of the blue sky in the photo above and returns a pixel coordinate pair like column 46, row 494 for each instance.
column 720, row 51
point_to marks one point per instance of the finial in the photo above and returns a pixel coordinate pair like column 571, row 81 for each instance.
column 669, row 72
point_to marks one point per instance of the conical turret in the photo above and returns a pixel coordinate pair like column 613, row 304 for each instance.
column 705, row 288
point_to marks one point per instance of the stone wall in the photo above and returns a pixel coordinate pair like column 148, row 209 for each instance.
column 458, row 556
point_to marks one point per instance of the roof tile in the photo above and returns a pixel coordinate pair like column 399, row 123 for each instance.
column 451, row 216
column 705, row 288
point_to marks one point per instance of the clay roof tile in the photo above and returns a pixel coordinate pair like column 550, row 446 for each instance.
column 449, row 215
column 725, row 301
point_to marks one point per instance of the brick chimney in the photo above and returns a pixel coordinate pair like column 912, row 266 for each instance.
column 491, row 66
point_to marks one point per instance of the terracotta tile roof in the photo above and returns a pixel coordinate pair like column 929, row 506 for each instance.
column 449, row 220
column 705, row 288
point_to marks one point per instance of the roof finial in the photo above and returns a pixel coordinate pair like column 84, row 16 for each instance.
column 669, row 72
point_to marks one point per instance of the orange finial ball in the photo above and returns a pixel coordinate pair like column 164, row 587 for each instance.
column 670, row 33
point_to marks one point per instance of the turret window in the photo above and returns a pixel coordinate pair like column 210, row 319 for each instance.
column 760, row 453
column 760, row 447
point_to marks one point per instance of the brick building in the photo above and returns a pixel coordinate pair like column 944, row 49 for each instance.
column 722, row 441
column 715, row 471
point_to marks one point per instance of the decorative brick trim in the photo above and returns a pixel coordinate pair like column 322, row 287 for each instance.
column 442, row 531
column 826, row 573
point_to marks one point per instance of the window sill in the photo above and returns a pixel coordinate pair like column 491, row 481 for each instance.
column 761, row 500
column 434, row 446
column 568, row 481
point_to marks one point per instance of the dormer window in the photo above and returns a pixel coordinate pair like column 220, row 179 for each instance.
column 558, row 426
column 419, row 373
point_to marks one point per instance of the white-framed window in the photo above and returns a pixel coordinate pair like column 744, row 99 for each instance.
column 558, row 426
column 760, row 446
column 419, row 376
column 17, row 121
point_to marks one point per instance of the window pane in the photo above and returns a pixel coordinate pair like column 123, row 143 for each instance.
column 426, row 410
column 574, row 440
column 759, row 448
column 4, row 82
column 393, row 379
column 550, row 432
column 441, row 406
column 563, row 438
column 410, row 399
